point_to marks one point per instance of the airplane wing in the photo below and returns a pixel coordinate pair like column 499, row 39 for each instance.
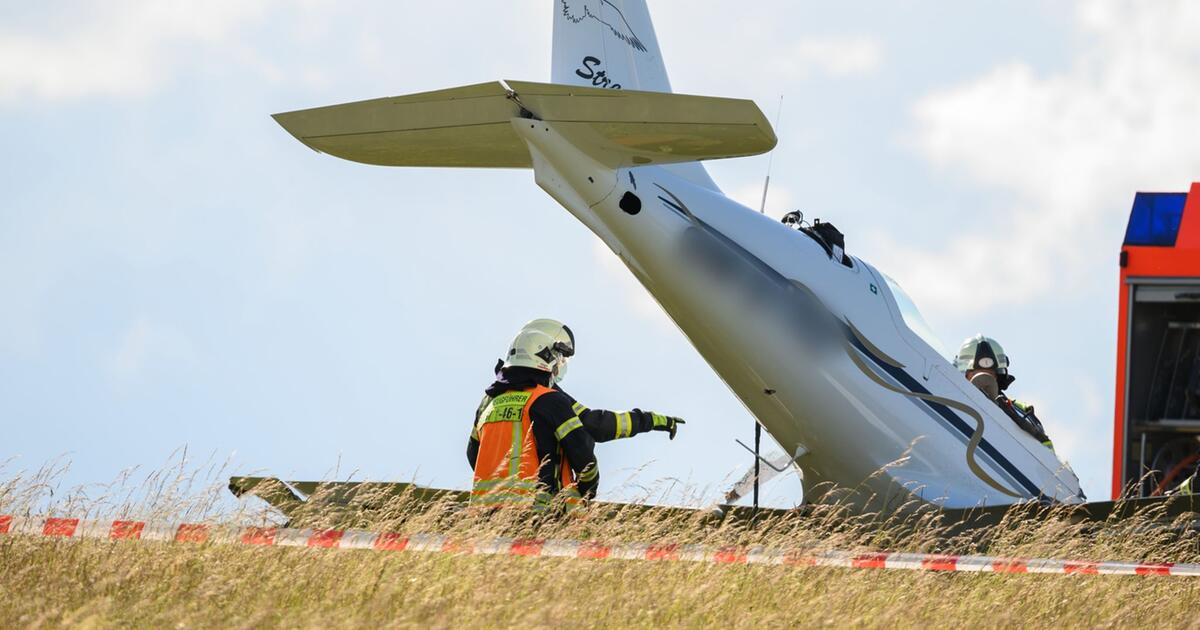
column 471, row 126
column 306, row 501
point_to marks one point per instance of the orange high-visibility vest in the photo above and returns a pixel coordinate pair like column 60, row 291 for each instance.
column 506, row 468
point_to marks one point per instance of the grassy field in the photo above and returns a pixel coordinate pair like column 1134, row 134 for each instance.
column 125, row 583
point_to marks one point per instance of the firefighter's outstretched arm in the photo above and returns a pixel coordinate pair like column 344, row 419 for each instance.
column 604, row 425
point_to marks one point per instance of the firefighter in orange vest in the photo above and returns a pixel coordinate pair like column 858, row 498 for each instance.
column 531, row 441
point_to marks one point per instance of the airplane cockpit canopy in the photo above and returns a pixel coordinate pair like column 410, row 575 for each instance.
column 912, row 316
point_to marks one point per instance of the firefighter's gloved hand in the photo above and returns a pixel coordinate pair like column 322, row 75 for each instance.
column 665, row 423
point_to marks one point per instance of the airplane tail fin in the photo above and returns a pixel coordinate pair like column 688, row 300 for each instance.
column 611, row 44
column 472, row 126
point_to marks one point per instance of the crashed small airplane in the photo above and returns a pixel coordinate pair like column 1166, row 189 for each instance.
column 826, row 351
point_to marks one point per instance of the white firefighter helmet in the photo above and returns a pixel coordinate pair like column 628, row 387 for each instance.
column 981, row 353
column 542, row 344
column 986, row 355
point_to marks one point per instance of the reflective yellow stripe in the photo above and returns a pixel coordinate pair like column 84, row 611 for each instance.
column 589, row 474
column 578, row 408
column 500, row 498
column 624, row 425
column 542, row 501
column 567, row 427
column 1185, row 488
column 508, row 491
column 514, row 456
column 485, row 485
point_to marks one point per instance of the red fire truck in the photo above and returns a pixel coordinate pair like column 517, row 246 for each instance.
column 1157, row 421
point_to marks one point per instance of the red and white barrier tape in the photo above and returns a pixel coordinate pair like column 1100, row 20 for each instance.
column 357, row 539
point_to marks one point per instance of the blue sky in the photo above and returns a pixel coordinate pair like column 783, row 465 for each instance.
column 176, row 270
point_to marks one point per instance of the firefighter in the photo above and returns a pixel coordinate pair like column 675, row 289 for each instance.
column 983, row 361
column 524, row 409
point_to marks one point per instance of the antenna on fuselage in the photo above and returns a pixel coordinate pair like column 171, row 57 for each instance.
column 762, row 208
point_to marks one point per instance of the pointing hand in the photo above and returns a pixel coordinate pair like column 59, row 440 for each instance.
column 666, row 423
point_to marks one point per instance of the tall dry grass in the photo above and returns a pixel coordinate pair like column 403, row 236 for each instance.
column 126, row 583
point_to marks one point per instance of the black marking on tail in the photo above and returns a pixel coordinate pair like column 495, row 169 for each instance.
column 579, row 10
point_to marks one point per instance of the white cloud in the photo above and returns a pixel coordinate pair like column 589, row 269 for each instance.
column 1069, row 148
column 147, row 346
column 120, row 48
column 832, row 56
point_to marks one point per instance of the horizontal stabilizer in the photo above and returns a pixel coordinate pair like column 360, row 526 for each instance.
column 471, row 126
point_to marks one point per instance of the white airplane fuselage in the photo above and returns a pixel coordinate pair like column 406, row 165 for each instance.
column 819, row 352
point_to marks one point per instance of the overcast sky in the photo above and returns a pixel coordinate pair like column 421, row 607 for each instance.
column 176, row 270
